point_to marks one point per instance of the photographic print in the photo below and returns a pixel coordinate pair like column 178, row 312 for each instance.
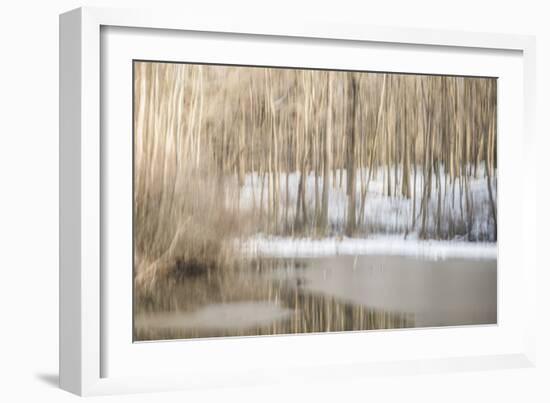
column 270, row 200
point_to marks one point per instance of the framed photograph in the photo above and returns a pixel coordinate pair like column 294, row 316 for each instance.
column 245, row 202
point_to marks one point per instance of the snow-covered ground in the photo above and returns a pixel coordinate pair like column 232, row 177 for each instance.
column 384, row 214
column 378, row 245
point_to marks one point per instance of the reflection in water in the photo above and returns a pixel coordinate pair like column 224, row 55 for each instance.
column 438, row 292
column 338, row 293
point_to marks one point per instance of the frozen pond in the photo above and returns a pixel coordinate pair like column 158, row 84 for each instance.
column 329, row 293
column 436, row 292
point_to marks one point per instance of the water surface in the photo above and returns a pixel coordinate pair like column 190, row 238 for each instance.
column 437, row 292
column 323, row 294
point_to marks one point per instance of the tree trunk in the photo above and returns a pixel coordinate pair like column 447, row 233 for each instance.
column 327, row 157
column 351, row 165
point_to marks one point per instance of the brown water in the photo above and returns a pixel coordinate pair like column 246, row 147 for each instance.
column 338, row 293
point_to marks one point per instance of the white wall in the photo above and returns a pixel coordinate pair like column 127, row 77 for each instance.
column 29, row 201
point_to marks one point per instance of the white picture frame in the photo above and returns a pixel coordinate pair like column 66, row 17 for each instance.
column 83, row 174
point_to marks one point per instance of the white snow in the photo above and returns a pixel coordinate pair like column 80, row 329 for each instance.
column 377, row 245
column 382, row 214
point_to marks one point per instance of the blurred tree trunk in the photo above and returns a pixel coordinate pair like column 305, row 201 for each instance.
column 327, row 156
column 351, row 165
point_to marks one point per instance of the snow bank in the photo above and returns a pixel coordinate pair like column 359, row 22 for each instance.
column 378, row 245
